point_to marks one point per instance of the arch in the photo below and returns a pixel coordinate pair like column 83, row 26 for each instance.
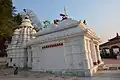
column 106, row 50
column 115, row 46
column 114, row 50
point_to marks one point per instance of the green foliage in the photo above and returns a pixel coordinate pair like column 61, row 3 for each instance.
column 17, row 19
column 6, row 18
column 9, row 20
column 5, row 9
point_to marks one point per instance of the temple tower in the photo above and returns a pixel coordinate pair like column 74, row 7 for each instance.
column 17, row 53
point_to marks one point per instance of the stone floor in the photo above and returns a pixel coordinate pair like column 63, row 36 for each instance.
column 7, row 74
column 99, row 78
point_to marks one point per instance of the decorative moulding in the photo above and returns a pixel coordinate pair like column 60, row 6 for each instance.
column 63, row 25
column 38, row 40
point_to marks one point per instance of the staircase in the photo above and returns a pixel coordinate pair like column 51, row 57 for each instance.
column 109, row 67
column 2, row 63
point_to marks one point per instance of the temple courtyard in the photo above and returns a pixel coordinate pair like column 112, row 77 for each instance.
column 23, row 75
column 64, row 50
column 7, row 74
column 113, row 74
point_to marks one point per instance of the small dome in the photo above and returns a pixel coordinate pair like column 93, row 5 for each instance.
column 26, row 17
column 26, row 22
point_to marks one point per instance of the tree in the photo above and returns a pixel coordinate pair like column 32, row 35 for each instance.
column 17, row 19
column 6, row 18
column 8, row 22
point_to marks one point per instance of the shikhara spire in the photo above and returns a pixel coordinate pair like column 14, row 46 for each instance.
column 117, row 35
column 33, row 18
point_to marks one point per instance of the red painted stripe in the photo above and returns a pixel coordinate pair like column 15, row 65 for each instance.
column 52, row 45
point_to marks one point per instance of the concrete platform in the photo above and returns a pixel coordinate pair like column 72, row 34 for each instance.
column 27, row 75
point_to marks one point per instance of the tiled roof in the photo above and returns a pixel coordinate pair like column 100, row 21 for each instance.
column 112, row 41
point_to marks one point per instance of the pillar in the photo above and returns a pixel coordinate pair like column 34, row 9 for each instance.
column 98, row 54
column 89, row 54
column 37, row 56
column 93, row 53
column 88, row 62
column 33, row 57
column 29, row 57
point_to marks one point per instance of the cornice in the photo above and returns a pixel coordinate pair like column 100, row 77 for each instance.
column 62, row 26
column 62, row 37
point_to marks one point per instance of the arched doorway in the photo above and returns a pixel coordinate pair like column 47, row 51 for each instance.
column 106, row 52
column 115, row 50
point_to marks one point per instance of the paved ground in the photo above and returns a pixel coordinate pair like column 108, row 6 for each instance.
column 61, row 79
column 27, row 75
column 7, row 74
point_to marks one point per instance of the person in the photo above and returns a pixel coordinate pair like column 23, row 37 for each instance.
column 7, row 65
column 15, row 68
column 16, row 71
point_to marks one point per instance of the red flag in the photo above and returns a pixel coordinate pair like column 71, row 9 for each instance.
column 55, row 21
column 63, row 18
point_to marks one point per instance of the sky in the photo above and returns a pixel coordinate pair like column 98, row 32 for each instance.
column 102, row 16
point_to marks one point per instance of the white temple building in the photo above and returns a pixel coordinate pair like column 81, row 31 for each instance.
column 68, row 46
column 17, row 54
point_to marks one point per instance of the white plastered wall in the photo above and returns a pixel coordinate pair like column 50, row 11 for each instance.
column 69, row 56
column 49, row 58
column 74, row 51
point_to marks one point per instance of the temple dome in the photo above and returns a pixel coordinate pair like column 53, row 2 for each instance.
column 26, row 22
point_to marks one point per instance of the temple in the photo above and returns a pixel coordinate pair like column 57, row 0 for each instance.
column 17, row 54
column 67, row 45
column 111, row 48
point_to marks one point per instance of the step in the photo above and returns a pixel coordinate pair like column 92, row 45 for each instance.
column 109, row 67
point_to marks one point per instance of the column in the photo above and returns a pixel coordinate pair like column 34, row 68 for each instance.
column 89, row 54
column 29, row 58
column 87, row 60
column 98, row 54
column 33, row 57
column 37, row 57
column 93, row 53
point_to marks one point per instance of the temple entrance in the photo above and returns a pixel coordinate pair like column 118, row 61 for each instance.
column 26, row 58
column 106, row 53
column 29, row 58
column 115, row 50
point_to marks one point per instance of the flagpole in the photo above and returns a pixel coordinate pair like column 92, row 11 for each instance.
column 65, row 11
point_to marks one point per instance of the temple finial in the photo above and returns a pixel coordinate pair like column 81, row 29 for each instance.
column 85, row 22
column 117, row 35
column 65, row 12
